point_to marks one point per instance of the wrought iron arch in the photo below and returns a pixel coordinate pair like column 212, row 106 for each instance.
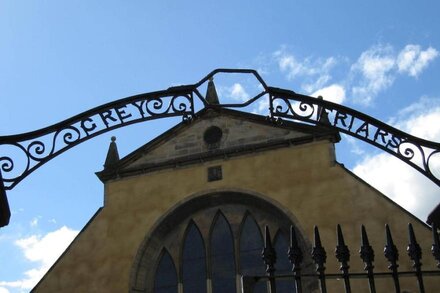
column 40, row 146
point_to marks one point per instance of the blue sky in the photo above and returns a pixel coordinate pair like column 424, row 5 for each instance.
column 60, row 58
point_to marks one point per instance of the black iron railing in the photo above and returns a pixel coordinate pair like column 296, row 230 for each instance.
column 342, row 254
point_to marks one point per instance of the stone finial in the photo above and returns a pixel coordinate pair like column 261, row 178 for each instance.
column 112, row 155
column 211, row 93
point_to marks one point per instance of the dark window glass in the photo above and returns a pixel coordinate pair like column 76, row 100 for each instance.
column 221, row 265
column 165, row 280
column 283, row 265
column 194, row 261
column 251, row 246
column 222, row 257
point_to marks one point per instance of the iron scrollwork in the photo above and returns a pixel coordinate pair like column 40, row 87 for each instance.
column 29, row 151
column 22, row 154
column 423, row 155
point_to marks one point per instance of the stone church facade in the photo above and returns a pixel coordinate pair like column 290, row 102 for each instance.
column 186, row 212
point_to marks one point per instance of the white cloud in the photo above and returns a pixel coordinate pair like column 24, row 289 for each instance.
column 413, row 60
column 376, row 68
column 394, row 178
column 334, row 93
column 237, row 92
column 426, row 125
column 376, row 62
column 319, row 83
column 3, row 290
column 379, row 66
column 288, row 63
column 355, row 148
column 401, row 183
column 43, row 251
column 316, row 71
column 420, row 119
column 263, row 106
column 374, row 71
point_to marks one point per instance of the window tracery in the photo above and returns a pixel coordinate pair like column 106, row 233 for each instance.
column 211, row 241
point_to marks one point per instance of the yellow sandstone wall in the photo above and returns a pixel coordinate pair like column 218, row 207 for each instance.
column 303, row 179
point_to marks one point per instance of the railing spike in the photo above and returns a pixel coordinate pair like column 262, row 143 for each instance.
column 295, row 257
column 390, row 250
column 415, row 253
column 343, row 256
column 435, row 249
column 270, row 258
column 340, row 235
column 317, row 239
column 319, row 256
column 367, row 255
column 295, row 253
column 269, row 254
column 342, row 252
column 364, row 237
column 392, row 255
column 389, row 238
column 414, row 250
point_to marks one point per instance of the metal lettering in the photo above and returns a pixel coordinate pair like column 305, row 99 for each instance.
column 351, row 123
column 91, row 127
column 394, row 142
column 363, row 129
column 107, row 115
column 381, row 133
column 120, row 111
column 340, row 117
column 140, row 107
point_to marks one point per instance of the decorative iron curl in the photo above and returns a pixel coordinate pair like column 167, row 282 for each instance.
column 300, row 111
column 306, row 108
column 409, row 150
column 154, row 106
column 35, row 150
column 407, row 153
column 180, row 106
column 7, row 164
column 42, row 145
column 69, row 136
column 282, row 108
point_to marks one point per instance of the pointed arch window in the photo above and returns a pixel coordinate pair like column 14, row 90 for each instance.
column 208, row 243
column 165, row 280
column 222, row 256
column 193, row 261
column 251, row 244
